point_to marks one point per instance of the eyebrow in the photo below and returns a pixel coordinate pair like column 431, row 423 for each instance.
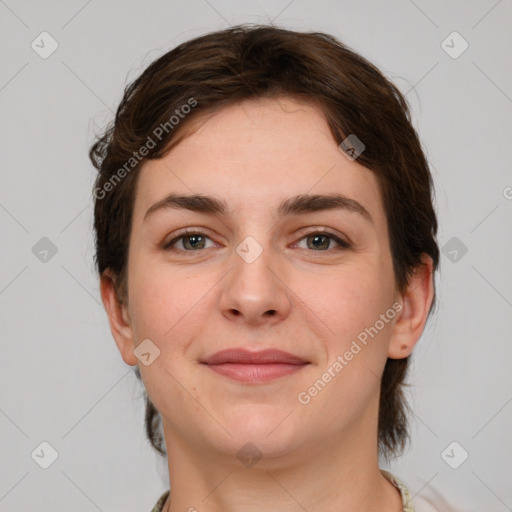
column 298, row 205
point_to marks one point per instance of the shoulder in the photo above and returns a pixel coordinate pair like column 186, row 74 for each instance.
column 407, row 503
column 431, row 501
column 422, row 505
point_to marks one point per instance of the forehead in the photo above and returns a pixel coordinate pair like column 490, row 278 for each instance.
column 254, row 154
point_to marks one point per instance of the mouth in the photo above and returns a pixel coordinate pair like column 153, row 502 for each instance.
column 254, row 367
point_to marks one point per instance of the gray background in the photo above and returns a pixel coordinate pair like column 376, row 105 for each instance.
column 62, row 379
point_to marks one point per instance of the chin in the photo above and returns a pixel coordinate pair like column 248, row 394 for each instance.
column 270, row 428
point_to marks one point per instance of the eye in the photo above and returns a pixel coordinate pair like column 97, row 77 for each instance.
column 195, row 240
column 189, row 240
column 322, row 241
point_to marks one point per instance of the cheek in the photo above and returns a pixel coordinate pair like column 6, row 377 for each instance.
column 166, row 306
column 351, row 300
column 171, row 307
column 162, row 299
column 351, row 305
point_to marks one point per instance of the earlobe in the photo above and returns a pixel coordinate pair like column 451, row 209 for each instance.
column 416, row 300
column 118, row 319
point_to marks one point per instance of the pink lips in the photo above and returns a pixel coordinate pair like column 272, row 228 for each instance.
column 254, row 367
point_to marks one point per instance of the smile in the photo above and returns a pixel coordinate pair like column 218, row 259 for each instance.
column 255, row 367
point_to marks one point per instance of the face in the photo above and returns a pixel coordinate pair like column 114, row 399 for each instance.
column 313, row 278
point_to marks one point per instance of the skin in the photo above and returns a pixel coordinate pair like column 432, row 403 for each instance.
column 321, row 456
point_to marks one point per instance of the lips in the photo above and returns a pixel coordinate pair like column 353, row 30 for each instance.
column 254, row 367
column 270, row 356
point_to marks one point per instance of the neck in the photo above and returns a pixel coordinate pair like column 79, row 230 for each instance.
column 338, row 477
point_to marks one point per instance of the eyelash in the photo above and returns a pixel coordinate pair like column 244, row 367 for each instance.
column 343, row 245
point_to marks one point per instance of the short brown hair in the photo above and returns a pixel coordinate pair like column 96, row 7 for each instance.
column 244, row 62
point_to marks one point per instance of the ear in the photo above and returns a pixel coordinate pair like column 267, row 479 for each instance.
column 416, row 302
column 118, row 318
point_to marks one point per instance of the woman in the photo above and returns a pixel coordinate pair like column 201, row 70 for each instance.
column 265, row 241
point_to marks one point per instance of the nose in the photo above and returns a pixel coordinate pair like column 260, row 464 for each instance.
column 255, row 291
